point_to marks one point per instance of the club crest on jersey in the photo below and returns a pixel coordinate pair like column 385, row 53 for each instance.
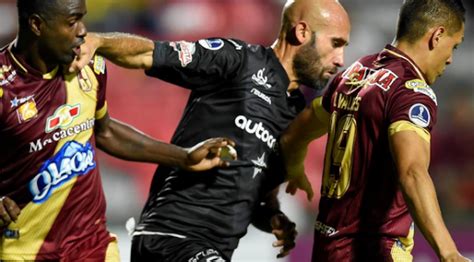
column 27, row 110
column 84, row 81
column 74, row 159
column 419, row 115
column 212, row 43
column 62, row 117
column 185, row 51
column 421, row 86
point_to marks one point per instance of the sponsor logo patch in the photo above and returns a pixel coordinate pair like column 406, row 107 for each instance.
column 419, row 115
column 208, row 255
column 74, row 159
column 325, row 229
column 99, row 65
column 27, row 110
column 185, row 51
column 15, row 101
column 261, row 95
column 6, row 76
column 260, row 79
column 419, row 86
column 212, row 43
column 416, row 83
column 62, row 117
column 39, row 144
column 256, row 128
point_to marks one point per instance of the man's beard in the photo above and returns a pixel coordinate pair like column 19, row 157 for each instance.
column 307, row 66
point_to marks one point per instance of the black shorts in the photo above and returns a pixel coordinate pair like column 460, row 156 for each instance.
column 173, row 249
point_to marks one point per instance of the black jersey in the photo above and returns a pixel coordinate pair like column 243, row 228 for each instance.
column 238, row 91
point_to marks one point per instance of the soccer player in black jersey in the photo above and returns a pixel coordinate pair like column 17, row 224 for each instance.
column 246, row 92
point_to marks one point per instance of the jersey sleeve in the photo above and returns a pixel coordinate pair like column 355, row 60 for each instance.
column 196, row 65
column 98, row 66
column 413, row 102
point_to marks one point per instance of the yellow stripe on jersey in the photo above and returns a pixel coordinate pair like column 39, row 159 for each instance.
column 404, row 125
column 321, row 114
column 36, row 220
column 52, row 74
column 101, row 112
column 403, row 246
column 112, row 254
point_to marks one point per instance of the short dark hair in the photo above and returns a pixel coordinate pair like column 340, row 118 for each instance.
column 417, row 16
column 44, row 8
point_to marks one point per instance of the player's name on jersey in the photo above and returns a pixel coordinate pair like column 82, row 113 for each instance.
column 345, row 102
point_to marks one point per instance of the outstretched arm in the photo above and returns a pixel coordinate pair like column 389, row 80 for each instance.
column 310, row 124
column 126, row 50
column 125, row 142
column 412, row 156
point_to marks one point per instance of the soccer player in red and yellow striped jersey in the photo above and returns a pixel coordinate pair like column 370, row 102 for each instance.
column 52, row 205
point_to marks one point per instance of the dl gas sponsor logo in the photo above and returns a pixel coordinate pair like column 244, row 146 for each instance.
column 74, row 159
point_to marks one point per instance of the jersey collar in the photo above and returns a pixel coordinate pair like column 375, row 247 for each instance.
column 393, row 51
column 26, row 69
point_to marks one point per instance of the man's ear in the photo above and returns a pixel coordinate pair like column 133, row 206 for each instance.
column 302, row 33
column 436, row 35
column 36, row 24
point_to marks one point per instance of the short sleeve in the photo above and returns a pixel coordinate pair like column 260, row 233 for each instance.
column 414, row 101
column 197, row 64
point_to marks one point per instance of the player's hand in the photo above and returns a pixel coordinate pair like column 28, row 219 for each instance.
column 297, row 179
column 209, row 154
column 285, row 232
column 455, row 257
column 87, row 52
column 9, row 211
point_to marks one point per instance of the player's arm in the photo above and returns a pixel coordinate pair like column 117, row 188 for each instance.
column 310, row 124
column 126, row 50
column 269, row 218
column 125, row 142
column 411, row 153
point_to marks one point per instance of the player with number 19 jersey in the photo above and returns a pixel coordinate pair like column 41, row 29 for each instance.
column 362, row 208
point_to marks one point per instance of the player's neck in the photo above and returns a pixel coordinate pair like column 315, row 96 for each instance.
column 285, row 54
column 415, row 52
column 27, row 50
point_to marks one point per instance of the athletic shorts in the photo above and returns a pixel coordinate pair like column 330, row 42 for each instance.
column 173, row 249
column 373, row 249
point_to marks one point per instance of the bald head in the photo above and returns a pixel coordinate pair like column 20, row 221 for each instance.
column 318, row 14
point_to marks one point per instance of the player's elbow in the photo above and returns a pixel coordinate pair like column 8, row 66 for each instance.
column 412, row 176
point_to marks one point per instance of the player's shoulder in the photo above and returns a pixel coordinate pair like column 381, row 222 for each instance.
column 219, row 43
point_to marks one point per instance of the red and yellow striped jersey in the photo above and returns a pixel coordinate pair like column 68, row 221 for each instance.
column 48, row 162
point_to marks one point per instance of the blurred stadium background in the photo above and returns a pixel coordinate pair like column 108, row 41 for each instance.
column 155, row 107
